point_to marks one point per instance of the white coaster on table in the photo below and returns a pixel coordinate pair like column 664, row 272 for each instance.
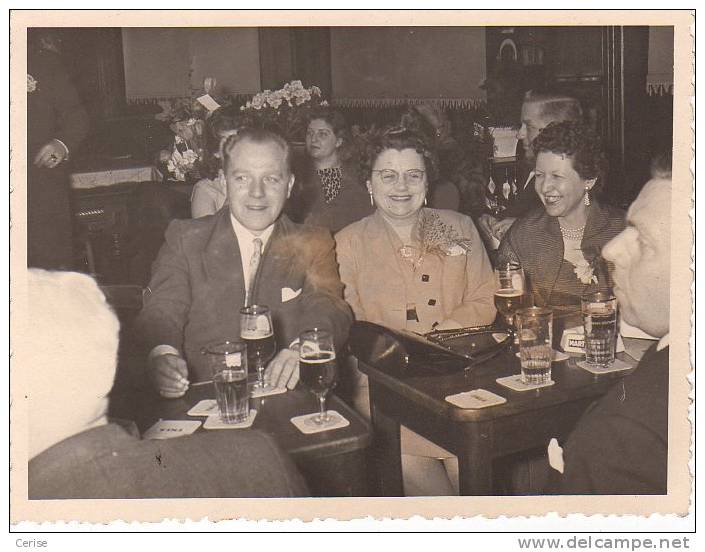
column 300, row 423
column 515, row 383
column 214, row 422
column 206, row 407
column 268, row 390
column 617, row 366
column 169, row 429
column 477, row 398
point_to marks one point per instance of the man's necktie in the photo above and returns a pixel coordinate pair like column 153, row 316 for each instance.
column 254, row 265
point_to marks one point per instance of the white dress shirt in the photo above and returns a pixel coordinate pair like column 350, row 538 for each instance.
column 663, row 342
column 245, row 240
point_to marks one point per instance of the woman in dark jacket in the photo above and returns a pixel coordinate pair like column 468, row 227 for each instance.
column 329, row 191
column 559, row 244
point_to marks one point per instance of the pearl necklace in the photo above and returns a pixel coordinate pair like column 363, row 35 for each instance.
column 574, row 234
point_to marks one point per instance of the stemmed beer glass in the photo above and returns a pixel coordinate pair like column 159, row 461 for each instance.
column 256, row 332
column 318, row 371
column 510, row 295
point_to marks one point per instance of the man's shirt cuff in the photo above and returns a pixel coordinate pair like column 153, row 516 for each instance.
column 65, row 147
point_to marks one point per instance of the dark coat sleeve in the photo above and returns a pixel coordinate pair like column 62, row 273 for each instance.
column 72, row 119
column 620, row 445
column 322, row 294
column 603, row 458
column 167, row 300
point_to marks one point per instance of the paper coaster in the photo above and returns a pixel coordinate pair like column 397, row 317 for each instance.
column 268, row 390
column 169, row 429
column 477, row 398
column 556, row 356
column 299, row 422
column 206, row 407
column 214, row 422
column 617, row 366
column 515, row 384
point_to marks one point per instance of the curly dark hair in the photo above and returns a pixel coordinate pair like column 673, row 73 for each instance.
column 399, row 138
column 579, row 142
column 337, row 122
column 334, row 118
column 222, row 120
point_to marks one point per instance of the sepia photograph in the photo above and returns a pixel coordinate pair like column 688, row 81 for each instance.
column 365, row 263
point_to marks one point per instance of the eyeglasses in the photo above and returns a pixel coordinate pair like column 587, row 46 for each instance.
column 391, row 177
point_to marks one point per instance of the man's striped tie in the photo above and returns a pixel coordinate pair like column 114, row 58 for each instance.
column 254, row 265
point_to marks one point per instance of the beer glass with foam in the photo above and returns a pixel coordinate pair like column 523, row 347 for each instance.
column 318, row 371
column 510, row 295
column 600, row 323
column 256, row 331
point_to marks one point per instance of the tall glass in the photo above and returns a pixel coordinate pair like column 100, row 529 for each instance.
column 600, row 323
column 318, row 371
column 256, row 331
column 228, row 363
column 510, row 294
column 535, row 331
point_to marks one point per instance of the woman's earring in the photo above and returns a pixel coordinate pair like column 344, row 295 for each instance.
column 586, row 197
column 372, row 200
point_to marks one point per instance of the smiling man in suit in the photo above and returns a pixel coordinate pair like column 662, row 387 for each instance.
column 247, row 253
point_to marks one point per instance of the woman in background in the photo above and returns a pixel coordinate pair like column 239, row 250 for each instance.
column 410, row 267
column 329, row 191
column 209, row 194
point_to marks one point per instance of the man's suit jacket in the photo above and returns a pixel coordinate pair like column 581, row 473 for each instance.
column 620, row 445
column 198, row 287
column 379, row 284
column 107, row 462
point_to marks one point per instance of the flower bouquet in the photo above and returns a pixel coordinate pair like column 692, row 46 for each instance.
column 186, row 119
column 284, row 110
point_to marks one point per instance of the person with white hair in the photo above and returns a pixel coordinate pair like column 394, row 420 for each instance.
column 74, row 449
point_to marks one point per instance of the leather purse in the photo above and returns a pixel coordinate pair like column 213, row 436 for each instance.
column 404, row 353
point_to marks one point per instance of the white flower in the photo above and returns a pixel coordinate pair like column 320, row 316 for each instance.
column 258, row 101
column 31, row 84
column 275, row 99
column 315, row 91
column 324, row 103
column 190, row 157
column 584, row 272
column 302, row 96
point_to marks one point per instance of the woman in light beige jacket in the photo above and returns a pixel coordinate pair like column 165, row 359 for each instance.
column 410, row 267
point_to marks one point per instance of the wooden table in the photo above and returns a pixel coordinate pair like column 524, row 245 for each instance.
column 477, row 437
column 333, row 462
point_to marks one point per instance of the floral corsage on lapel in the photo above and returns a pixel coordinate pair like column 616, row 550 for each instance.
column 587, row 271
column 435, row 238
column 31, row 84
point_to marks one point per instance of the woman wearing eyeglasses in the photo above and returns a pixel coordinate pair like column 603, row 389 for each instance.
column 407, row 266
